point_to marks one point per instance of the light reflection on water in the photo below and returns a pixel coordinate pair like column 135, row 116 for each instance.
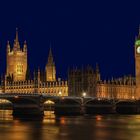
column 97, row 127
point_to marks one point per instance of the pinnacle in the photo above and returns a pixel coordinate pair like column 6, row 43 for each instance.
column 16, row 35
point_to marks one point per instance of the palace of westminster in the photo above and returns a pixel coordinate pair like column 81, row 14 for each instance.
column 86, row 80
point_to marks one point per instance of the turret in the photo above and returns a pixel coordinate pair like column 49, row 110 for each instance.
column 98, row 77
column 8, row 47
column 25, row 47
column 16, row 42
column 34, row 75
column 38, row 75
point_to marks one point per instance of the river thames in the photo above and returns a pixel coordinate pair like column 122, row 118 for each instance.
column 97, row 127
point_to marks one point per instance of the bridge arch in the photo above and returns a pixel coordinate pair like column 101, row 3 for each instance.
column 68, row 106
column 98, row 101
column 70, row 101
column 5, row 101
column 21, row 99
column 25, row 104
column 49, row 102
column 58, row 100
column 125, row 101
column 126, row 107
column 49, row 105
column 5, row 104
column 24, row 101
column 96, row 106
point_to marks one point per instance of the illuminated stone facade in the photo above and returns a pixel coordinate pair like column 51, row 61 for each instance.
column 18, row 79
column 16, row 60
column 81, row 82
column 55, row 88
column 121, row 88
column 87, row 82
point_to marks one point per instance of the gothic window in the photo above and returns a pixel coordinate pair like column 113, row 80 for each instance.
column 19, row 68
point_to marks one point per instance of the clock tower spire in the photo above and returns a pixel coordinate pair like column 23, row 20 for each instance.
column 137, row 65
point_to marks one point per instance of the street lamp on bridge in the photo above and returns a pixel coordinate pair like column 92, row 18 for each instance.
column 16, row 97
column 84, row 94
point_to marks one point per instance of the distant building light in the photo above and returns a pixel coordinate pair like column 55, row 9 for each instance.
column 63, row 98
column 98, row 118
column 84, row 94
column 133, row 97
column 16, row 97
column 60, row 93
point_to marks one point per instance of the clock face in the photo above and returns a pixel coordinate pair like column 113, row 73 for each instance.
column 137, row 42
column 138, row 49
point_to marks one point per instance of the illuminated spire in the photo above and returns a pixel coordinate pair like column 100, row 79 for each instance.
column 8, row 43
column 25, row 46
column 16, row 42
column 50, row 52
column 97, row 68
column 16, row 35
column 50, row 57
column 38, row 75
column 50, row 67
column 8, row 46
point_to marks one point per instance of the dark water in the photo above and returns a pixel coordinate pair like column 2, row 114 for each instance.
column 98, row 127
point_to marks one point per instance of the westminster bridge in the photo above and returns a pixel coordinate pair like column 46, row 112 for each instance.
column 34, row 104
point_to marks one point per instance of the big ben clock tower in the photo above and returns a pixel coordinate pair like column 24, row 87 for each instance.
column 137, row 66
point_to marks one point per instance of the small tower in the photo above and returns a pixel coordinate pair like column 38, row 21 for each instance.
column 50, row 68
column 137, row 65
column 38, row 80
column 16, row 46
column 38, row 75
column 8, row 47
column 16, row 60
column 25, row 47
column 98, row 77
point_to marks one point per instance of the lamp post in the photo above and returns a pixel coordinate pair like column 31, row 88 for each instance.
column 133, row 97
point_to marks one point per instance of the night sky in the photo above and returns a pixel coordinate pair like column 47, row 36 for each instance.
column 80, row 33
